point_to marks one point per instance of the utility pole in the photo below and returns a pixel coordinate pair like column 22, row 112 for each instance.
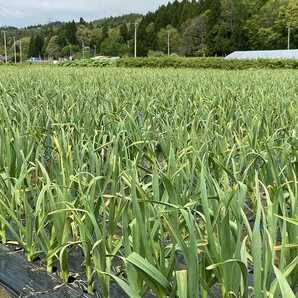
column 15, row 50
column 136, row 35
column 83, row 45
column 289, row 37
column 5, row 47
column 21, row 55
column 169, row 49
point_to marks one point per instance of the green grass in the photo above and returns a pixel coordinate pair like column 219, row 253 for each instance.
column 173, row 182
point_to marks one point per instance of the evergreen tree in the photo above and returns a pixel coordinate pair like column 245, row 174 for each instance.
column 31, row 47
column 39, row 42
column 67, row 34
column 105, row 32
column 82, row 21
column 36, row 46
column 70, row 32
column 124, row 32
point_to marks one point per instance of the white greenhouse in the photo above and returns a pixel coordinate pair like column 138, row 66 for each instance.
column 275, row 54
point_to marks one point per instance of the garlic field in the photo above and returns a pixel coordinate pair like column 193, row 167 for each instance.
column 167, row 183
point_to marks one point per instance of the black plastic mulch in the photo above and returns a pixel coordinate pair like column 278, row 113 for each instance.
column 22, row 279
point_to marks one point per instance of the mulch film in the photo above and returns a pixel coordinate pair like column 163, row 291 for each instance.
column 18, row 278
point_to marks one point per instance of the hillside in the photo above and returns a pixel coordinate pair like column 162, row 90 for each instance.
column 194, row 28
column 117, row 21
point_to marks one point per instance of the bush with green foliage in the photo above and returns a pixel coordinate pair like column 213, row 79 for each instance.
column 201, row 63
column 88, row 63
column 182, row 62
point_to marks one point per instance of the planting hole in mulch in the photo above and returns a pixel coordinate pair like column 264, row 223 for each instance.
column 4, row 293
column 18, row 278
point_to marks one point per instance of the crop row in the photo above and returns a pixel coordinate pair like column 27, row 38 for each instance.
column 168, row 183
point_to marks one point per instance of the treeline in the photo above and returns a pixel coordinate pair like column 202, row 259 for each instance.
column 219, row 27
column 110, row 36
column 185, row 28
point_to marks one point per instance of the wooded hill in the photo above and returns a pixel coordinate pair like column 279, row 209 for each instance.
column 194, row 28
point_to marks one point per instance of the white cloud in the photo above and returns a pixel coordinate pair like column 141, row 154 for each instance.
column 28, row 12
column 6, row 12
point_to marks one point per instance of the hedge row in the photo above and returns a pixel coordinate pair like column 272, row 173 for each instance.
column 214, row 63
column 88, row 63
column 179, row 62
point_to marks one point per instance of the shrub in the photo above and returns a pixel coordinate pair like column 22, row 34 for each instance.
column 201, row 63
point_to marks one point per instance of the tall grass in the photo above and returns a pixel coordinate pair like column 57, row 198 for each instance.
column 170, row 182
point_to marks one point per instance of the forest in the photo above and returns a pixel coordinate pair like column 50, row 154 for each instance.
column 184, row 28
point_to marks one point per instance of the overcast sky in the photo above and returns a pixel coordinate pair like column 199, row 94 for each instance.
column 28, row 12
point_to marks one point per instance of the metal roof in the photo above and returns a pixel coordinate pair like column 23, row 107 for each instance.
column 275, row 54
